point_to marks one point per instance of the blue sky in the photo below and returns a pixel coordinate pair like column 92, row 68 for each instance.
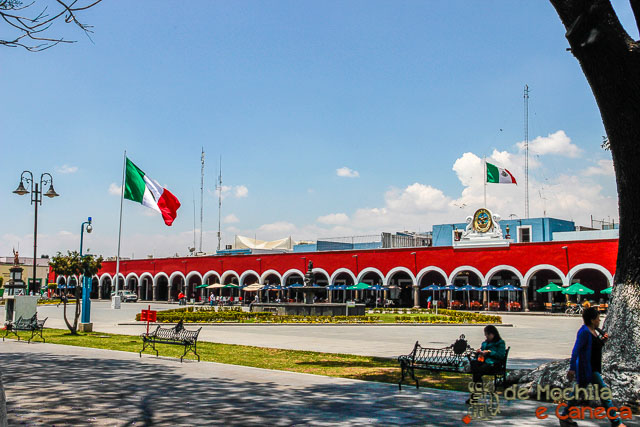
column 410, row 95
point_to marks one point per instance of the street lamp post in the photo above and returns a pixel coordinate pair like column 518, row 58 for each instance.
column 85, row 318
column 36, row 199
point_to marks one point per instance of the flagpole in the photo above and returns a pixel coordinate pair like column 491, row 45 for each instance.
column 484, row 161
column 124, row 168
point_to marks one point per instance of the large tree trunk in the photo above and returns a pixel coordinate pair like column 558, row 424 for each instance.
column 610, row 60
column 3, row 405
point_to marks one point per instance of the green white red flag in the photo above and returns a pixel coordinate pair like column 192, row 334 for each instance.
column 140, row 188
column 498, row 175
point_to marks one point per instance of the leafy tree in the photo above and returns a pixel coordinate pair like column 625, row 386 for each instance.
column 610, row 60
column 29, row 24
column 74, row 265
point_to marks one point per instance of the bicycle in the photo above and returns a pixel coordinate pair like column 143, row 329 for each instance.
column 574, row 309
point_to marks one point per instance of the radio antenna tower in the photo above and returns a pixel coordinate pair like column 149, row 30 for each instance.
column 219, row 188
column 526, row 151
column 201, row 196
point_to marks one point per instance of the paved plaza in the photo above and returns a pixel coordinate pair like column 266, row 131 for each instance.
column 534, row 339
column 48, row 384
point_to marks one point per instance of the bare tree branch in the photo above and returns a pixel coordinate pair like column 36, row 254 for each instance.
column 29, row 29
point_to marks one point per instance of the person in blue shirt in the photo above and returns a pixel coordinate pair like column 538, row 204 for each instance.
column 586, row 361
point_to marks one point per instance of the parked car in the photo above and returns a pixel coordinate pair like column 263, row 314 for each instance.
column 126, row 296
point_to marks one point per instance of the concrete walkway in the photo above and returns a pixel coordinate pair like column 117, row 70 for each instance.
column 48, row 384
column 533, row 339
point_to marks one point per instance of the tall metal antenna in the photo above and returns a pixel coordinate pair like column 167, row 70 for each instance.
column 219, row 188
column 201, row 196
column 526, row 151
column 194, row 219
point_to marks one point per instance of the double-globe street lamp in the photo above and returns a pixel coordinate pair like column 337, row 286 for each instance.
column 36, row 199
column 85, row 318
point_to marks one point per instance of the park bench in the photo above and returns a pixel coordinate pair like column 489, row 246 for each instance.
column 177, row 335
column 32, row 325
column 454, row 358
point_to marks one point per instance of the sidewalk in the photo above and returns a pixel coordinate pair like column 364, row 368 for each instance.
column 48, row 384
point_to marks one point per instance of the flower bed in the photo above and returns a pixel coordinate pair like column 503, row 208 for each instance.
column 236, row 315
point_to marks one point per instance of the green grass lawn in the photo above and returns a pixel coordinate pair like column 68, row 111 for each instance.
column 335, row 365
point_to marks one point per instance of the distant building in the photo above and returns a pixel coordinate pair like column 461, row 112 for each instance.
column 518, row 230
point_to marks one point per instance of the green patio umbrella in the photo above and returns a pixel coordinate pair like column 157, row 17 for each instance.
column 607, row 291
column 551, row 287
column 577, row 289
column 231, row 285
column 202, row 286
column 360, row 286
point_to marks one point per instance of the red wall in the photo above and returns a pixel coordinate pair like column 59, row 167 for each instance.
column 522, row 256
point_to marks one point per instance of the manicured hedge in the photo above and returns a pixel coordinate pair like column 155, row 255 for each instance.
column 236, row 315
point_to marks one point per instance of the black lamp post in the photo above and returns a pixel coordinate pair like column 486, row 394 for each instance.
column 36, row 199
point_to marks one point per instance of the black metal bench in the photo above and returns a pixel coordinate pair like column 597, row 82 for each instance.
column 177, row 335
column 454, row 358
column 33, row 325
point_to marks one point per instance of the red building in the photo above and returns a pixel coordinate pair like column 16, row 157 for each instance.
column 403, row 272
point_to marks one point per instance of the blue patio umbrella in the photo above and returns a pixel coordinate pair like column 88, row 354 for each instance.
column 508, row 288
column 433, row 288
column 295, row 285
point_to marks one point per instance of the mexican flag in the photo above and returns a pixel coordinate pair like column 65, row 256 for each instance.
column 498, row 175
column 140, row 188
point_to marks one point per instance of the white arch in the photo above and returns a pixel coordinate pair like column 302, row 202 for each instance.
column 267, row 273
column 370, row 270
column 342, row 270
column 245, row 274
column 146, row 274
column 174, row 275
column 321, row 270
column 193, row 273
column 585, row 266
column 209, row 274
column 462, row 268
column 61, row 277
column 428, row 269
column 497, row 268
column 533, row 270
column 104, row 276
column 126, row 279
column 229, row 273
column 291, row 272
column 159, row 275
column 396, row 270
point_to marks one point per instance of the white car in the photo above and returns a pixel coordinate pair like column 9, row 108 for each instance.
column 126, row 296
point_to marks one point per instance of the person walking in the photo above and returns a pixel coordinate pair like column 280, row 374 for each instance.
column 586, row 363
column 181, row 298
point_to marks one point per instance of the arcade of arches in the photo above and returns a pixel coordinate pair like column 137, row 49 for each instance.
column 400, row 285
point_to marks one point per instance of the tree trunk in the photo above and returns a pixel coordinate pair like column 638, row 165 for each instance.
column 610, row 60
column 3, row 405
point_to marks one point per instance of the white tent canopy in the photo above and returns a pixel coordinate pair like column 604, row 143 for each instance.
column 243, row 242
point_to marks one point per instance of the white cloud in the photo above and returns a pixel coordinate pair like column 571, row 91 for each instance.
column 277, row 227
column 604, row 167
column 334, row 219
column 64, row 169
column 554, row 143
column 115, row 189
column 345, row 172
column 241, row 191
column 230, row 219
column 416, row 198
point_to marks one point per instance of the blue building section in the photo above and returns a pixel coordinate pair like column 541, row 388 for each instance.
column 520, row 230
column 324, row 245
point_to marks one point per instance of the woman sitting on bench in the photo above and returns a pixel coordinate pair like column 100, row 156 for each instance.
column 492, row 351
